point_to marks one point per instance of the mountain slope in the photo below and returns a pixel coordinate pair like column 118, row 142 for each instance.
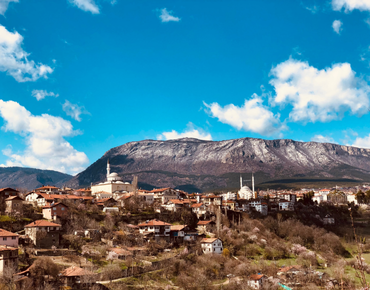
column 203, row 165
column 30, row 178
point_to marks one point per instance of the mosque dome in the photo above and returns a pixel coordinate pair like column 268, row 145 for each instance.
column 114, row 177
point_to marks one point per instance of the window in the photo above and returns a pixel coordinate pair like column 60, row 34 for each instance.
column 4, row 238
column 13, row 238
column 62, row 208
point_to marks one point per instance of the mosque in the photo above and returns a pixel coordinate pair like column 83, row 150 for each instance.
column 113, row 184
column 245, row 192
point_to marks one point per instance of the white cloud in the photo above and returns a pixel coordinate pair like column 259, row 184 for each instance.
column 350, row 5
column 41, row 94
column 313, row 9
column 4, row 5
column 319, row 95
column 44, row 137
column 86, row 5
column 322, row 139
column 362, row 142
column 252, row 116
column 167, row 17
column 337, row 26
column 190, row 132
column 14, row 60
column 74, row 110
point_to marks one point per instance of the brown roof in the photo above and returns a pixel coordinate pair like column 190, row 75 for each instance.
column 196, row 205
column 208, row 240
column 177, row 227
column 42, row 223
column 154, row 223
column 203, row 223
column 8, row 189
column 13, row 197
column 7, row 248
column 75, row 271
column 256, row 276
column 55, row 204
column 47, row 187
column 159, row 189
column 104, row 199
column 4, row 233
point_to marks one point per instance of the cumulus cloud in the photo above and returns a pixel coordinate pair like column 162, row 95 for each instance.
column 322, row 139
column 74, row 110
column 319, row 95
column 4, row 5
column 14, row 60
column 41, row 94
column 252, row 116
column 349, row 5
column 86, row 5
column 362, row 142
column 190, row 132
column 44, row 137
column 166, row 16
column 337, row 26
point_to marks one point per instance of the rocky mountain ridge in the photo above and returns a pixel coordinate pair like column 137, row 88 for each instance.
column 198, row 165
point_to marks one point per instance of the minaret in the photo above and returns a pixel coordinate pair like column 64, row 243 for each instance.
column 241, row 181
column 253, row 185
column 108, row 169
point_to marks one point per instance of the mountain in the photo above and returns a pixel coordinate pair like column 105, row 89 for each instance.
column 198, row 165
column 30, row 178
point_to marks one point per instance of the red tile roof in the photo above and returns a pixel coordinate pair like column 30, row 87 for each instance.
column 177, row 227
column 7, row 248
column 154, row 223
column 159, row 190
column 8, row 189
column 256, row 276
column 195, row 205
column 42, row 223
column 4, row 233
column 13, row 197
column 202, row 223
column 208, row 240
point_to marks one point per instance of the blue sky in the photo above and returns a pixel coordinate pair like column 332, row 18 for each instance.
column 78, row 77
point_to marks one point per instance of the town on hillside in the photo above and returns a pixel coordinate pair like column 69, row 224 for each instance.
column 117, row 236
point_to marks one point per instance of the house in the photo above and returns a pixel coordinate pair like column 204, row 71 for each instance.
column 289, row 270
column 119, row 253
column 242, row 204
column 259, row 205
column 228, row 204
column 7, row 191
column 106, row 202
column 164, row 194
column 8, row 239
column 211, row 246
column 211, row 199
column 47, row 189
column 8, row 258
column 328, row 220
column 55, row 210
column 257, row 281
column 284, row 204
column 14, row 205
column 159, row 229
column 205, row 226
column 44, row 234
column 199, row 209
column 76, row 278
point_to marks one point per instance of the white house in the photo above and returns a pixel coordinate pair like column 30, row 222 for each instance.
column 211, row 246
column 257, row 281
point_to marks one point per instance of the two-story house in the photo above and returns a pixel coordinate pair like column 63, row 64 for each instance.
column 44, row 234
column 14, row 205
column 8, row 258
column 54, row 211
column 211, row 246
column 8, row 239
column 159, row 229
column 257, row 281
